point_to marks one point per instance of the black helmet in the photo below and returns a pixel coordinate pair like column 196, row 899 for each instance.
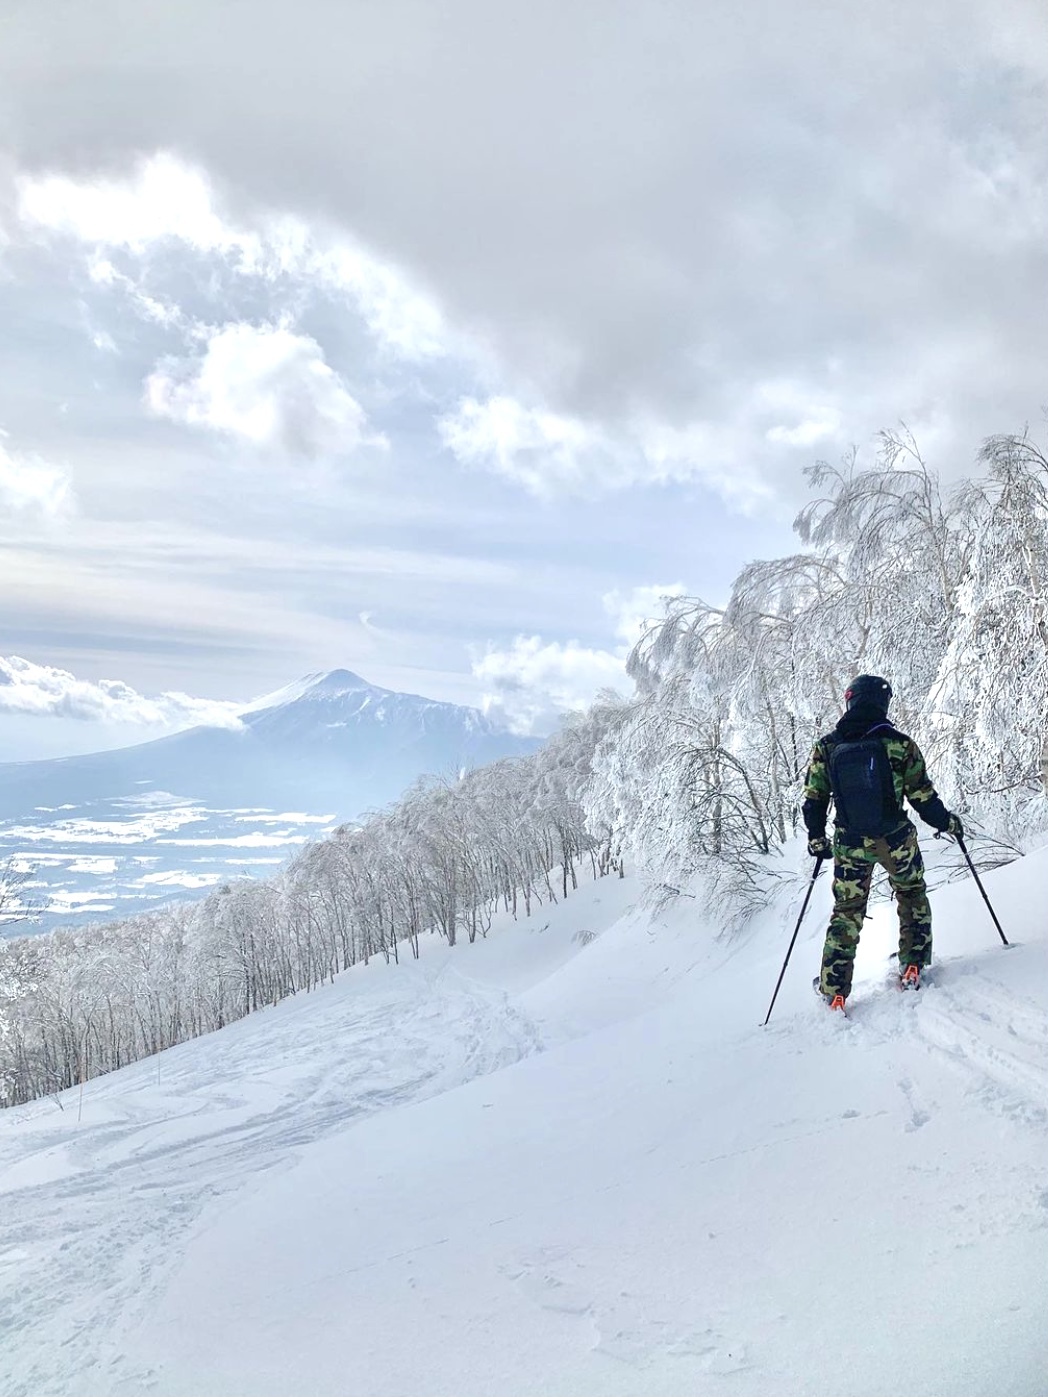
column 869, row 688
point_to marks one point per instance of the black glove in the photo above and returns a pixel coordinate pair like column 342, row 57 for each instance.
column 955, row 827
column 819, row 847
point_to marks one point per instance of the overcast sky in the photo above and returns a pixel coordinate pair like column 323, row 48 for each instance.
column 436, row 340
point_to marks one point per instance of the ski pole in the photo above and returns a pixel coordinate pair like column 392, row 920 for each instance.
column 793, row 938
column 978, row 882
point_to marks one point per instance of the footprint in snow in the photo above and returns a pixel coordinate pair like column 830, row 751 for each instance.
column 649, row 1341
column 918, row 1116
column 549, row 1280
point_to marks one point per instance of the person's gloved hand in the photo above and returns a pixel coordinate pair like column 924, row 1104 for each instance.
column 955, row 827
column 820, row 847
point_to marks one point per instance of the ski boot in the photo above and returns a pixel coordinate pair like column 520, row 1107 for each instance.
column 910, row 977
column 835, row 1001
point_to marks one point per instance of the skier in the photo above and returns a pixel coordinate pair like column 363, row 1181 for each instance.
column 868, row 766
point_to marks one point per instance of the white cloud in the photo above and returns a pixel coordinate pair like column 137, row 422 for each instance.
column 28, row 484
column 265, row 385
column 550, row 453
column 102, row 272
column 806, row 433
column 540, row 450
column 43, row 691
column 634, row 611
column 544, row 449
column 717, row 456
column 531, row 682
column 168, row 201
column 402, row 318
column 808, row 420
column 759, row 192
column 164, row 199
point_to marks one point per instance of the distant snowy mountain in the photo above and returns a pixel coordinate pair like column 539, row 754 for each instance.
column 115, row 831
column 331, row 740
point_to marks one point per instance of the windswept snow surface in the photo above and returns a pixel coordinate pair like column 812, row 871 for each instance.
column 563, row 1164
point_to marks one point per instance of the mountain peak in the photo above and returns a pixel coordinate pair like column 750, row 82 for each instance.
column 335, row 681
column 321, row 685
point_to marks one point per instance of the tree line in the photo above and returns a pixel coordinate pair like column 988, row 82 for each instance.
column 77, row 1003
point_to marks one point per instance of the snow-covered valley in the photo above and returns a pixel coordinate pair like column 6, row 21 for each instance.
column 564, row 1159
column 103, row 836
column 114, row 856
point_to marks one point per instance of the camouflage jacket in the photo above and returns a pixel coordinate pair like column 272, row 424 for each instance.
column 909, row 773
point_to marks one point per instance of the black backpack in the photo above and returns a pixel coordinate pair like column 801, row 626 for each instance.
column 864, row 789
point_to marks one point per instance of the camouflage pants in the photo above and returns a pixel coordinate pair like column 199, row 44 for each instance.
column 853, row 865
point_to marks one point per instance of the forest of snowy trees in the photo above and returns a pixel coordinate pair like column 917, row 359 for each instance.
column 698, row 772
column 945, row 596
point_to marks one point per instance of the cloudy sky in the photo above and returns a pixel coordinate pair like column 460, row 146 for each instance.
column 438, row 340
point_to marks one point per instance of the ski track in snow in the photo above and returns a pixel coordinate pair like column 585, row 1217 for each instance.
column 995, row 1038
column 125, row 1186
column 998, row 1040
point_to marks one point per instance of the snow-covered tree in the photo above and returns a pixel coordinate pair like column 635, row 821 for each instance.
column 989, row 700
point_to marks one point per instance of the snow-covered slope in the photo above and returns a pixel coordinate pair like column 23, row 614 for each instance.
column 564, row 1160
